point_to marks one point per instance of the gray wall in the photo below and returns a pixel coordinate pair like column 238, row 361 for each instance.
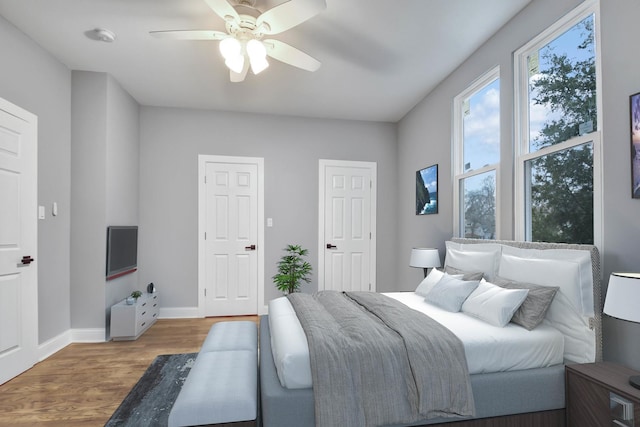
column 621, row 250
column 122, row 179
column 32, row 79
column 88, row 174
column 171, row 140
column 424, row 138
column 104, row 190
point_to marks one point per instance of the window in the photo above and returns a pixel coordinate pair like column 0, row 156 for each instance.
column 558, row 141
column 476, row 158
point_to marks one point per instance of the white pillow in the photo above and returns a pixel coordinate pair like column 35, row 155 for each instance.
column 568, row 269
column 482, row 257
column 579, row 339
column 493, row 304
column 430, row 281
column 449, row 293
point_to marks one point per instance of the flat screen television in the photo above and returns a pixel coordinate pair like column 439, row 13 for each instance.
column 122, row 250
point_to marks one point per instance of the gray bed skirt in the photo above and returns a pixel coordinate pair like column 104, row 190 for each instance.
column 497, row 394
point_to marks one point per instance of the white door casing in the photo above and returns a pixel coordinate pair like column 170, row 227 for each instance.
column 347, row 223
column 18, row 239
column 231, row 256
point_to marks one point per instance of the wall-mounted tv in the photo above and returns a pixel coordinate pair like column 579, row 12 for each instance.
column 122, row 250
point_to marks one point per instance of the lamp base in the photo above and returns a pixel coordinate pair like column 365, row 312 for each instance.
column 635, row 381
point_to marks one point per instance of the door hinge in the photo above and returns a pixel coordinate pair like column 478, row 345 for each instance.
column 205, row 292
column 205, row 179
column 369, row 286
column 369, row 235
column 205, row 235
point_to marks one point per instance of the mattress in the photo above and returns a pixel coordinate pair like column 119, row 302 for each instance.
column 488, row 348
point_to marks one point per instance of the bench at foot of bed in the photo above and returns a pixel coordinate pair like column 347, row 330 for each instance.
column 222, row 386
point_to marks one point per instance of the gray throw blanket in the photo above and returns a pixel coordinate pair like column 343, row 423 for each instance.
column 376, row 362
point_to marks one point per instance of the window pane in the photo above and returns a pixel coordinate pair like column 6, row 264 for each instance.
column 561, row 196
column 562, row 87
column 479, row 210
column 481, row 127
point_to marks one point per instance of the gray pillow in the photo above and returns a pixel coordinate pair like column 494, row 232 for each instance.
column 466, row 275
column 449, row 293
column 532, row 311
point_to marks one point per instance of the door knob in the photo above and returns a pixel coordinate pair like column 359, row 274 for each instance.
column 330, row 246
column 250, row 248
column 26, row 261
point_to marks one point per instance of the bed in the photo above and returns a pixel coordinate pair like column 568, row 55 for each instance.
column 507, row 385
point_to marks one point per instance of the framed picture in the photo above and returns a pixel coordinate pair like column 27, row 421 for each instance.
column 427, row 190
column 635, row 145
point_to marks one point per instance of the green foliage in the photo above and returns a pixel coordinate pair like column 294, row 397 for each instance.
column 480, row 211
column 136, row 294
column 562, row 183
column 292, row 269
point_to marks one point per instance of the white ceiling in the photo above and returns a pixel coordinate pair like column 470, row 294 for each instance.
column 379, row 57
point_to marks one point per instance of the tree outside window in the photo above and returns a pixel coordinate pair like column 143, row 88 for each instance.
column 562, row 106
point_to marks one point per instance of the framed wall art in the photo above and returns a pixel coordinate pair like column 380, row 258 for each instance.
column 427, row 190
column 634, row 101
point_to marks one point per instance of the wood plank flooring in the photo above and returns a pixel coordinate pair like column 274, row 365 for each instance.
column 83, row 384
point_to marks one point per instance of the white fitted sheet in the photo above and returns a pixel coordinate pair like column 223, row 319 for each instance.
column 488, row 348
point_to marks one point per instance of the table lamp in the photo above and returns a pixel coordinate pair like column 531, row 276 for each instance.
column 425, row 258
column 623, row 302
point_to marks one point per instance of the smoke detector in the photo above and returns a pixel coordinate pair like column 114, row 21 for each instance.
column 101, row 34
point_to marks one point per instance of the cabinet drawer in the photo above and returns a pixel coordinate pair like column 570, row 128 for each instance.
column 590, row 388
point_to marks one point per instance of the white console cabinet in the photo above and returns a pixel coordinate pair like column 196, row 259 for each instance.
column 128, row 322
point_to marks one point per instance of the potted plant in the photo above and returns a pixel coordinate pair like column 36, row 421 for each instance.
column 292, row 270
column 131, row 299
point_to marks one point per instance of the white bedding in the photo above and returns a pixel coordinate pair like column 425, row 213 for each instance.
column 488, row 348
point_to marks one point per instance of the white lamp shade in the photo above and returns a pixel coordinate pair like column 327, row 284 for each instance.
column 623, row 297
column 424, row 258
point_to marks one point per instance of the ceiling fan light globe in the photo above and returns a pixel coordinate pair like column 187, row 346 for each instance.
column 230, row 48
column 235, row 64
column 258, row 65
column 256, row 49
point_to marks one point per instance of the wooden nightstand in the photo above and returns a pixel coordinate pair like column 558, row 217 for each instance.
column 589, row 391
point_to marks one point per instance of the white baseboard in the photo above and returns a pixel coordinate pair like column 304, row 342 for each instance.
column 54, row 345
column 88, row 335
column 178, row 313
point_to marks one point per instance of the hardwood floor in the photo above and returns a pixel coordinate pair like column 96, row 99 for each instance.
column 83, row 384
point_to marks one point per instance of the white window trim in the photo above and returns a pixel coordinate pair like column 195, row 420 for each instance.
column 458, row 155
column 521, row 126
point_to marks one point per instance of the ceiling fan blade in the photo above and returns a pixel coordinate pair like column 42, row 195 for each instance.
column 189, row 34
column 290, row 55
column 223, row 9
column 239, row 77
column 289, row 14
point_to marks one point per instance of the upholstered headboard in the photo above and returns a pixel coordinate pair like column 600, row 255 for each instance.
column 595, row 322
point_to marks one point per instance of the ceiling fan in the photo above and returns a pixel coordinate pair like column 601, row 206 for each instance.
column 243, row 45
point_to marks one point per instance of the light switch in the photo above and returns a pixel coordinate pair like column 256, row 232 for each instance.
column 54, row 209
column 40, row 212
column 269, row 222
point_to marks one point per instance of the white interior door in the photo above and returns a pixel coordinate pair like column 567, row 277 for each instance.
column 347, row 224
column 231, row 241
column 18, row 239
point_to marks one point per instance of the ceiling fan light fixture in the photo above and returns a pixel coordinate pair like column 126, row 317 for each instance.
column 258, row 65
column 257, row 56
column 235, row 64
column 230, row 48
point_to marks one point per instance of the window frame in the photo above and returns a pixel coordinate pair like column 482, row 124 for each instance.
column 522, row 227
column 459, row 175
